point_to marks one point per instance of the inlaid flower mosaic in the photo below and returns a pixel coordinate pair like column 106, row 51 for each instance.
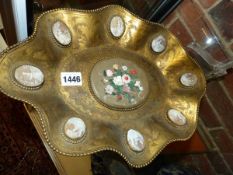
column 122, row 82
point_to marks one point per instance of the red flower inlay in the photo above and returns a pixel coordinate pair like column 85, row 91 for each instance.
column 119, row 97
column 133, row 71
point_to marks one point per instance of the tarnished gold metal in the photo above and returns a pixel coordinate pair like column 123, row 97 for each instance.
column 66, row 165
column 106, row 128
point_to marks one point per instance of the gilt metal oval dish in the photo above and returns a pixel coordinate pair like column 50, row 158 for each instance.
column 114, row 84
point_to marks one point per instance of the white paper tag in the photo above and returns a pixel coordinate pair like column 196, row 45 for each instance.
column 71, row 79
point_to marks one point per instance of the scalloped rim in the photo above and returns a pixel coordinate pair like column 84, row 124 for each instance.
column 30, row 38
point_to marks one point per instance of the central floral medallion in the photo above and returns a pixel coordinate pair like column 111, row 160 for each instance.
column 122, row 82
column 119, row 83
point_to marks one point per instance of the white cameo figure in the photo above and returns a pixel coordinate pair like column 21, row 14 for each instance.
column 61, row 33
column 135, row 140
column 188, row 79
column 158, row 44
column 29, row 76
column 74, row 128
column 117, row 26
column 176, row 117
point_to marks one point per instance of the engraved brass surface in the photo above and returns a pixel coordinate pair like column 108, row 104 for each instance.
column 106, row 128
column 66, row 165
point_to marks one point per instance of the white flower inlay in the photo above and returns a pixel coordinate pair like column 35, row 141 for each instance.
column 141, row 88
column 118, row 81
column 137, row 84
column 109, row 89
column 124, row 68
column 109, row 73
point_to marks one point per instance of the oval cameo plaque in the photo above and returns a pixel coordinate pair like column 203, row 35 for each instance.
column 61, row 33
column 135, row 140
column 188, row 79
column 176, row 117
column 119, row 83
column 74, row 128
column 158, row 44
column 29, row 76
column 117, row 26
